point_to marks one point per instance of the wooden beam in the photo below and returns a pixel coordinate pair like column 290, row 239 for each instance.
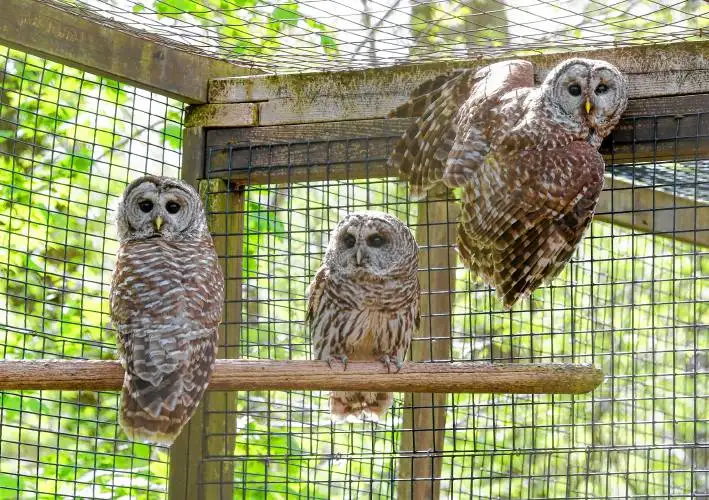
column 267, row 375
column 313, row 152
column 243, row 114
column 226, row 223
column 187, row 451
column 652, row 130
column 652, row 70
column 424, row 426
column 80, row 38
column 648, row 210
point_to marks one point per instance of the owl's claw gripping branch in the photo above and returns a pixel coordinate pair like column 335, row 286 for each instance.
column 342, row 359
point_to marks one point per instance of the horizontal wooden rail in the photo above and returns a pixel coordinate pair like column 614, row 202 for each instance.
column 241, row 375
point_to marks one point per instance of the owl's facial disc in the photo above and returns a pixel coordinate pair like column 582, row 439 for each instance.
column 158, row 211
column 363, row 247
column 607, row 101
column 571, row 92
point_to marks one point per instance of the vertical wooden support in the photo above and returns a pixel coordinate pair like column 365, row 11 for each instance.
column 186, row 451
column 425, row 414
column 211, row 432
column 220, row 406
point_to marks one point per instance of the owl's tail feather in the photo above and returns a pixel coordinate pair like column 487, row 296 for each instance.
column 357, row 406
column 421, row 153
column 157, row 414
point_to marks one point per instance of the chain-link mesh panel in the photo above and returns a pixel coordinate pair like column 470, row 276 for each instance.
column 69, row 144
column 631, row 301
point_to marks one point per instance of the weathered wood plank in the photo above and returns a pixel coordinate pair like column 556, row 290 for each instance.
column 187, row 450
column 424, row 426
column 657, row 70
column 106, row 47
column 358, row 149
column 263, row 375
column 222, row 115
column 649, row 210
column 377, row 104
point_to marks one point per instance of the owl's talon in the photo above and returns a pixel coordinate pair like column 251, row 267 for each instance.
column 342, row 359
column 389, row 360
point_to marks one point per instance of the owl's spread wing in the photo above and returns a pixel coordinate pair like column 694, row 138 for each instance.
column 520, row 225
column 451, row 107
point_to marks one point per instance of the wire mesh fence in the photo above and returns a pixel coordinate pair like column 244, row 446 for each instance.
column 310, row 35
column 69, row 144
column 631, row 301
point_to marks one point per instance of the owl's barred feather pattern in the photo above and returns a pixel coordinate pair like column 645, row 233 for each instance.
column 166, row 305
column 526, row 159
column 363, row 303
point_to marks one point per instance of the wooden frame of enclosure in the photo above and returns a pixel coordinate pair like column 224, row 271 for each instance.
column 664, row 80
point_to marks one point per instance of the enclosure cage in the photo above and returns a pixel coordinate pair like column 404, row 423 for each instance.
column 279, row 156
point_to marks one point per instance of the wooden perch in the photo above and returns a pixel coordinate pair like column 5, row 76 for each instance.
column 243, row 375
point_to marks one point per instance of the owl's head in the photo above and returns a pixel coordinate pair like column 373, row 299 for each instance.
column 587, row 92
column 160, row 207
column 372, row 243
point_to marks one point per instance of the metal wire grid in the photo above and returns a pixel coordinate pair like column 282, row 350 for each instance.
column 69, row 144
column 331, row 34
column 632, row 302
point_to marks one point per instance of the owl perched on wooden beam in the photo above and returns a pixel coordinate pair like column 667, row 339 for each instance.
column 526, row 160
column 363, row 303
column 167, row 297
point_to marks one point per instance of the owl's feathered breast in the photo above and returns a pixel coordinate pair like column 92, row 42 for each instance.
column 165, row 280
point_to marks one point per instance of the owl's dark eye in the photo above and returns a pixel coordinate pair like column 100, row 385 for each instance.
column 172, row 207
column 601, row 89
column 145, row 206
column 574, row 89
column 375, row 241
column 349, row 240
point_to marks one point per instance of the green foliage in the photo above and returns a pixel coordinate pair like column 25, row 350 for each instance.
column 249, row 29
column 69, row 142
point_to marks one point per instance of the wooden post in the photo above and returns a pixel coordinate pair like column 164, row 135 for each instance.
column 425, row 414
column 219, row 432
column 186, row 451
column 212, row 430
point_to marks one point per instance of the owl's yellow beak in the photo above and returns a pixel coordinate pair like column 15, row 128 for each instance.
column 588, row 105
column 359, row 256
column 157, row 222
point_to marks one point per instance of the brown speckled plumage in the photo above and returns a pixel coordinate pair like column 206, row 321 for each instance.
column 526, row 159
column 366, row 307
column 166, row 304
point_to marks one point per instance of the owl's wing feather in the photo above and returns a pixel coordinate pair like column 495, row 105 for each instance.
column 315, row 292
column 452, row 109
column 420, row 153
column 167, row 327
column 519, row 234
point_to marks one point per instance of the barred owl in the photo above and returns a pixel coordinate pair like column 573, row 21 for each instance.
column 363, row 303
column 166, row 303
column 526, row 159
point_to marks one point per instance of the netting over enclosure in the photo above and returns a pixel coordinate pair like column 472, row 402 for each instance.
column 317, row 34
column 69, row 144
